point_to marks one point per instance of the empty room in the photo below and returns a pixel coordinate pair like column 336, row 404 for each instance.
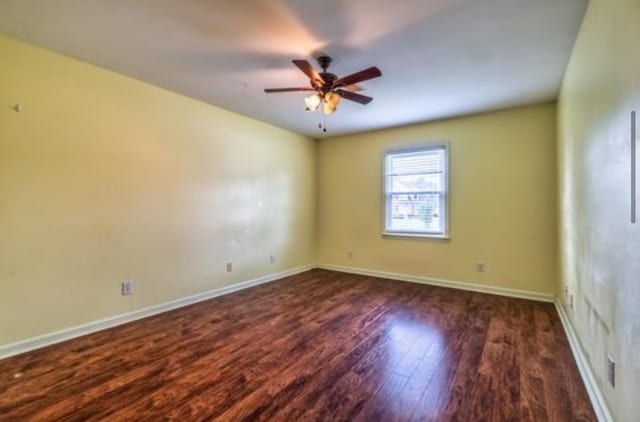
column 297, row 210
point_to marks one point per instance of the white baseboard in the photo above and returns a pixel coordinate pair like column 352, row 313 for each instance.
column 91, row 327
column 481, row 288
column 593, row 390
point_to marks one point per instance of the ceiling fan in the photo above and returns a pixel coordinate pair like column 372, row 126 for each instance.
column 329, row 89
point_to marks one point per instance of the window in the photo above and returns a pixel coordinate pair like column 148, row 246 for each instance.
column 416, row 184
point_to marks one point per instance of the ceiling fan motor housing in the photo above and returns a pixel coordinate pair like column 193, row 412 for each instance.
column 324, row 61
column 328, row 78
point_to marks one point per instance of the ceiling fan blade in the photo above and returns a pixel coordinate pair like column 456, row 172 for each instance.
column 352, row 88
column 358, row 98
column 271, row 90
column 363, row 75
column 308, row 70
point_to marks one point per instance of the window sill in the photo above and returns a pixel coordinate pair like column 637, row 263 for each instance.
column 419, row 235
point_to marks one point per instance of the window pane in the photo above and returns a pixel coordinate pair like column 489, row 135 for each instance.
column 416, row 190
column 416, row 183
column 415, row 213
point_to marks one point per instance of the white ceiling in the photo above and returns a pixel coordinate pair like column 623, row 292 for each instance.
column 439, row 58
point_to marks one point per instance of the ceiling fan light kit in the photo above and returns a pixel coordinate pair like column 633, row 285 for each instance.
column 329, row 88
column 330, row 102
column 313, row 102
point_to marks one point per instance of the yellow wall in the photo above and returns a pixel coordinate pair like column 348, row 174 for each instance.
column 105, row 178
column 503, row 196
column 599, row 247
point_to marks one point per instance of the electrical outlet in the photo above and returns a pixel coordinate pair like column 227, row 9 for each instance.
column 229, row 267
column 272, row 258
column 126, row 288
column 481, row 266
column 350, row 253
column 611, row 371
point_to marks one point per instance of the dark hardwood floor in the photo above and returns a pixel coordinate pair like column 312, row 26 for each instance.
column 320, row 346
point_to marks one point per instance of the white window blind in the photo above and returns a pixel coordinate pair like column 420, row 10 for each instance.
column 416, row 191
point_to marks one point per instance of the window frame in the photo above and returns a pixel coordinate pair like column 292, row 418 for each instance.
column 386, row 203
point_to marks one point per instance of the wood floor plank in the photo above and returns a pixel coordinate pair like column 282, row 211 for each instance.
column 554, row 386
column 444, row 362
column 321, row 345
column 299, row 352
column 459, row 402
column 509, row 392
column 381, row 360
